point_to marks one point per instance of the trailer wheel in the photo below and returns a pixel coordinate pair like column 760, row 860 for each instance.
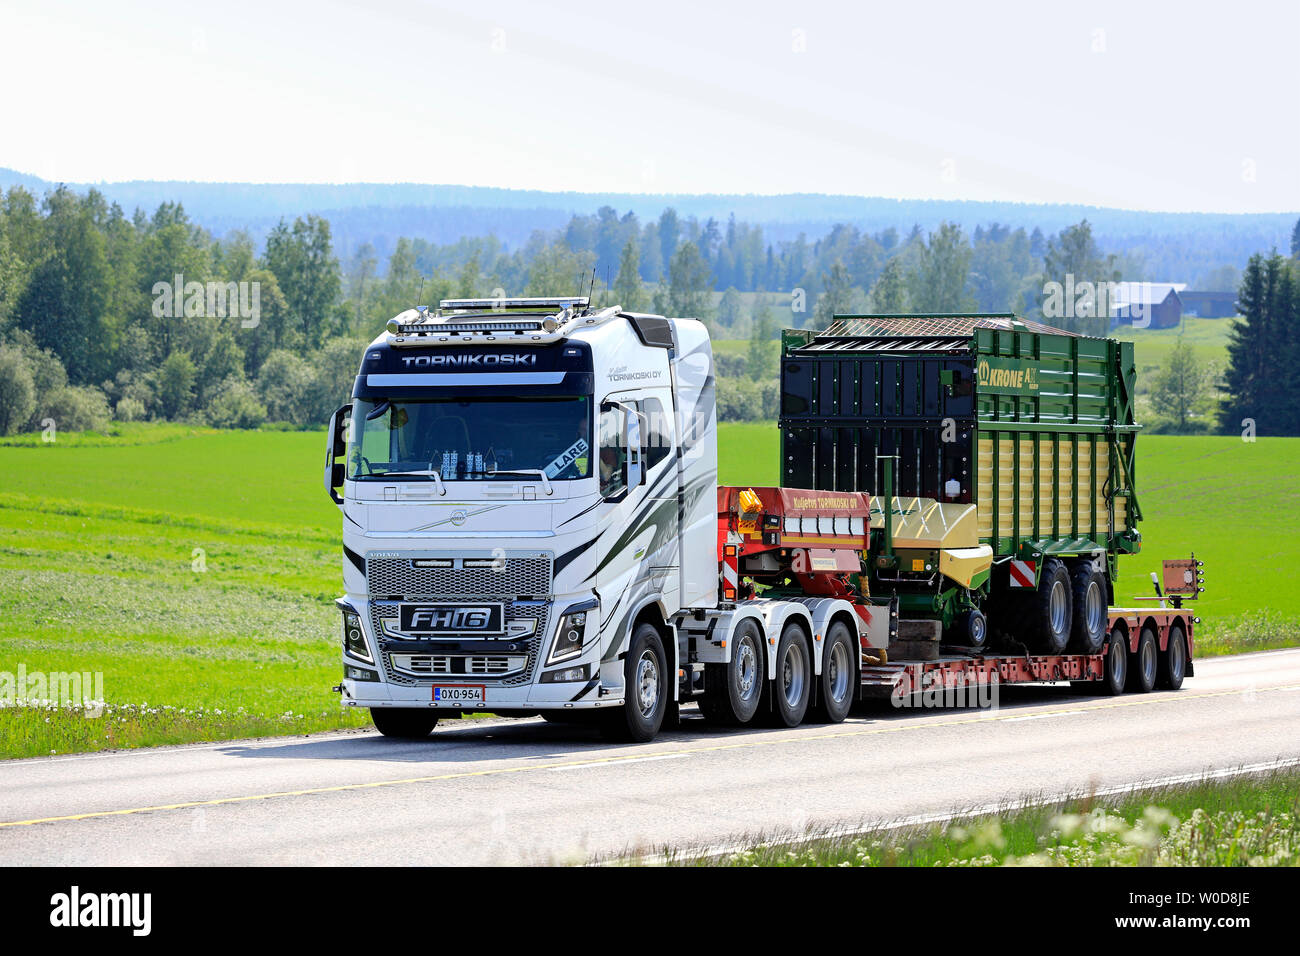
column 1142, row 675
column 1090, row 612
column 972, row 630
column 733, row 691
column 793, row 682
column 1115, row 674
column 835, row 697
column 1049, row 618
column 404, row 723
column 1173, row 662
column 645, row 689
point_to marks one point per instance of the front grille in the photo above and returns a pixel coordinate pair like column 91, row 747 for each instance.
column 515, row 577
column 512, row 582
column 529, row 647
column 464, row 665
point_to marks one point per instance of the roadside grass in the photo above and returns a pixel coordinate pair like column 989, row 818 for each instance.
column 195, row 571
column 1246, row 821
column 195, row 575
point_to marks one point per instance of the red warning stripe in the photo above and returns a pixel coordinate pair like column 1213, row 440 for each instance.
column 1022, row 574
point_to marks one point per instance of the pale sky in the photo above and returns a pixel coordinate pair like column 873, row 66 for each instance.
column 1172, row 106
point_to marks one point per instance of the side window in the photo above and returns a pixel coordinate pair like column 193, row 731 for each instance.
column 612, row 454
column 658, row 432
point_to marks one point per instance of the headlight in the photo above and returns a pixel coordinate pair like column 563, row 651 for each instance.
column 571, row 635
column 354, row 638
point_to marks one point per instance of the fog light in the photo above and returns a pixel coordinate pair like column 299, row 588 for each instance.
column 359, row 673
column 566, row 676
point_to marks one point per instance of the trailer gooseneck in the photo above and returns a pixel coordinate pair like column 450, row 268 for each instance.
column 532, row 521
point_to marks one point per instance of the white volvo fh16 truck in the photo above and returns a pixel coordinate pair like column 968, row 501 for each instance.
column 531, row 526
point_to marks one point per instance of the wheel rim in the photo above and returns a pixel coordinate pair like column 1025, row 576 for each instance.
column 1148, row 661
column 1095, row 609
column 647, row 683
column 1056, row 607
column 792, row 671
column 1177, row 657
column 747, row 669
column 977, row 629
column 838, row 673
column 1118, row 658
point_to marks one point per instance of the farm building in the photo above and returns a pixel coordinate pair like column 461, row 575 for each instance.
column 1154, row 305
column 1208, row 305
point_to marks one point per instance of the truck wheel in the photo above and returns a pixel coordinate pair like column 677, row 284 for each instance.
column 733, row 691
column 645, row 689
column 1173, row 662
column 1091, row 617
column 971, row 630
column 1115, row 673
column 1048, row 619
column 404, row 723
column 1142, row 675
column 839, row 675
column 793, row 678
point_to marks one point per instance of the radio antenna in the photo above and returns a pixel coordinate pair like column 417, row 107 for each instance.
column 421, row 296
column 592, row 287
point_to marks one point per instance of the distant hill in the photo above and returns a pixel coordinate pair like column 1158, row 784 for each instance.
column 380, row 213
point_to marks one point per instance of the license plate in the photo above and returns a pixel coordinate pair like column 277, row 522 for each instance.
column 459, row 694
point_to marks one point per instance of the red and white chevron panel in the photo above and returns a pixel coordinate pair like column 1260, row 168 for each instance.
column 1022, row 574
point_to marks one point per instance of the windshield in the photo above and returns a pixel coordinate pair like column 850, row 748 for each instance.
column 468, row 439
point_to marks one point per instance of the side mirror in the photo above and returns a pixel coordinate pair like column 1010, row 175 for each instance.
column 632, row 442
column 336, row 446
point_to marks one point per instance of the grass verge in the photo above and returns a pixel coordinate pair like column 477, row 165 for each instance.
column 1244, row 821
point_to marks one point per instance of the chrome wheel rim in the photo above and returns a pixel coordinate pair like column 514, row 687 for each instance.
column 838, row 673
column 647, row 683
column 1148, row 661
column 1118, row 660
column 747, row 669
column 792, row 674
column 1177, row 657
column 1056, row 607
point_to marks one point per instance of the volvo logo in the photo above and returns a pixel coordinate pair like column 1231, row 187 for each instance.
column 458, row 517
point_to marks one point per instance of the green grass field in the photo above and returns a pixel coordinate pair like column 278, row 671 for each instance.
column 196, row 570
column 1250, row 821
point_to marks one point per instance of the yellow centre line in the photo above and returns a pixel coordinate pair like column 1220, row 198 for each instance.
column 747, row 744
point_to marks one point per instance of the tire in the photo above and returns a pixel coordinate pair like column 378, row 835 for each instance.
column 1115, row 667
column 733, row 691
column 1173, row 660
column 404, row 723
column 1091, row 615
column 1048, row 616
column 971, row 629
column 1145, row 664
column 793, row 684
column 839, row 674
column 645, row 689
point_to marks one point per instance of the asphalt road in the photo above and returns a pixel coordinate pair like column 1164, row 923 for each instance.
column 527, row 791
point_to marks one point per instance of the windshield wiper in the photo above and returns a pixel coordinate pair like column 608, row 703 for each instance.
column 424, row 472
column 546, row 482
